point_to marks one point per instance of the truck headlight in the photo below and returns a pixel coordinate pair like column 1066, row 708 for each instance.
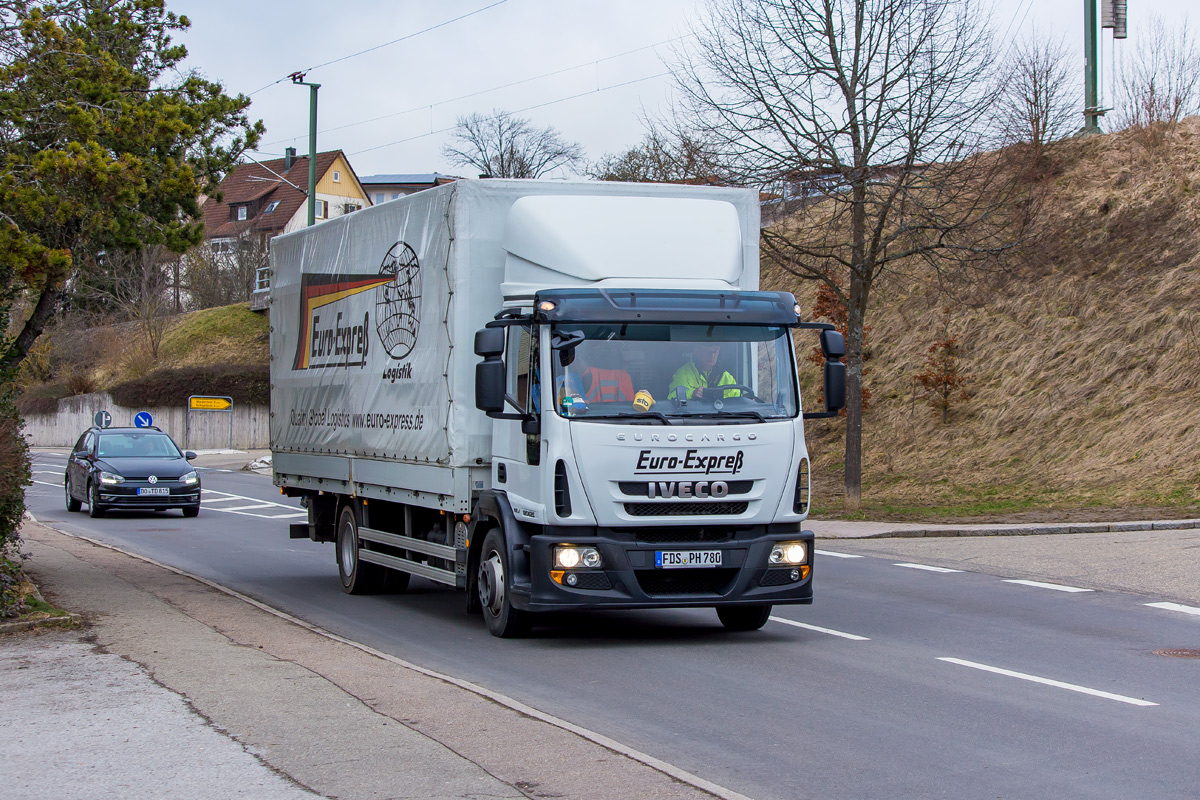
column 110, row 478
column 569, row 557
column 788, row 553
column 190, row 478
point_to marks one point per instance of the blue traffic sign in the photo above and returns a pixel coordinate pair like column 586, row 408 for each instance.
column 143, row 419
column 102, row 419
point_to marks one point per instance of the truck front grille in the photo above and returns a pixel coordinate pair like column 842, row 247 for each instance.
column 685, row 581
column 678, row 535
column 685, row 509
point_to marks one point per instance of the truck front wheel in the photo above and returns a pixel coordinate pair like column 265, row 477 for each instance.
column 744, row 618
column 502, row 619
column 357, row 576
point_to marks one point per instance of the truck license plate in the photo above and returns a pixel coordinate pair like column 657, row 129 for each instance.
column 157, row 490
column 684, row 559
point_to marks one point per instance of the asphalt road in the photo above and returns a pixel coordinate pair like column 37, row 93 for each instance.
column 900, row 680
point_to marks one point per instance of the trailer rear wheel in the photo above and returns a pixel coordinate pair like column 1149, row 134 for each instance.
column 358, row 577
column 502, row 619
column 744, row 618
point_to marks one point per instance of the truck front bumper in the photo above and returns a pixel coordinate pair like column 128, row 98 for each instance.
column 630, row 578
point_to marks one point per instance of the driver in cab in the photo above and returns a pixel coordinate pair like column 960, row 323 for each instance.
column 701, row 373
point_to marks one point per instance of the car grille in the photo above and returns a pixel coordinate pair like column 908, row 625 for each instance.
column 685, row 509
column 686, row 581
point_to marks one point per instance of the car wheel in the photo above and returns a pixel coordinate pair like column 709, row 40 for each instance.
column 744, row 618
column 191, row 511
column 72, row 504
column 357, row 577
column 501, row 618
column 94, row 508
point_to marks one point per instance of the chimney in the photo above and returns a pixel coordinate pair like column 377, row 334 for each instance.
column 289, row 158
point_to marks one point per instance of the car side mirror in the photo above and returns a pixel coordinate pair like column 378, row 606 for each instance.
column 190, row 455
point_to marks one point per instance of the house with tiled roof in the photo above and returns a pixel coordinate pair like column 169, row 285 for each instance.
column 268, row 198
column 262, row 199
column 381, row 188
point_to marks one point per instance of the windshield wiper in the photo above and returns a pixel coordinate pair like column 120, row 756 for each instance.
column 748, row 414
column 626, row 415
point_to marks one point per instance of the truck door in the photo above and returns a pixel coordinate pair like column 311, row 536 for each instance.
column 517, row 453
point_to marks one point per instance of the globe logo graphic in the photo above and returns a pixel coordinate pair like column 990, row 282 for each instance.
column 398, row 303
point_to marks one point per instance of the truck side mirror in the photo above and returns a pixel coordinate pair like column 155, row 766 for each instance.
column 835, row 386
column 489, row 384
column 833, row 345
column 489, row 342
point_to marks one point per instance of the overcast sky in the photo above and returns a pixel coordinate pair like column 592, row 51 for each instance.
column 389, row 109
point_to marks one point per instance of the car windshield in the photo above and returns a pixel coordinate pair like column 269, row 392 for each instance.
column 666, row 373
column 136, row 445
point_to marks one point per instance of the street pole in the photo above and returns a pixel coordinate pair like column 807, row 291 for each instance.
column 1091, row 68
column 298, row 79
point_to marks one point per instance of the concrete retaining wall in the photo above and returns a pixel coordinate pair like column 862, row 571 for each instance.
column 207, row 430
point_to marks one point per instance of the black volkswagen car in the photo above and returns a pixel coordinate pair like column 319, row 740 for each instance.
column 131, row 468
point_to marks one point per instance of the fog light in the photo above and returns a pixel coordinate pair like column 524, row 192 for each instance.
column 572, row 579
column 569, row 557
column 788, row 553
column 795, row 575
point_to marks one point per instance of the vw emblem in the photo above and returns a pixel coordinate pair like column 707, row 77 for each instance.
column 153, row 479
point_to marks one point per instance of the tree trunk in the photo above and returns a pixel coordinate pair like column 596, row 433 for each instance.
column 856, row 309
column 47, row 304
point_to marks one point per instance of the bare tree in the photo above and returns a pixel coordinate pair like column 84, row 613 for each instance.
column 666, row 154
column 862, row 114
column 1161, row 82
column 1038, row 93
column 501, row 145
column 219, row 278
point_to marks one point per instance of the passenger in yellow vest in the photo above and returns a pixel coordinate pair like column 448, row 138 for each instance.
column 697, row 375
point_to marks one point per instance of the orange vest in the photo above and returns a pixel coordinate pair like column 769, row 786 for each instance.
column 608, row 385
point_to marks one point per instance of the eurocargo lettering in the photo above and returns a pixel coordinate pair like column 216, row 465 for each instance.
column 555, row 396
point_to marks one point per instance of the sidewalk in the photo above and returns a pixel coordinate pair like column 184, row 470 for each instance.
column 177, row 690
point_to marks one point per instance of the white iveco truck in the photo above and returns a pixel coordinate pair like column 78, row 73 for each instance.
column 553, row 396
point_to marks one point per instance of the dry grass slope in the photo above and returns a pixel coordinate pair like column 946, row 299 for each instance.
column 1084, row 359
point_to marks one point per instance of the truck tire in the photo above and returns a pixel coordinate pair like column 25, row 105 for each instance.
column 357, row 577
column 744, row 618
column 501, row 618
column 72, row 503
column 95, row 510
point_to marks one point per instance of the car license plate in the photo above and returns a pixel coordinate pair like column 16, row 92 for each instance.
column 685, row 559
column 143, row 491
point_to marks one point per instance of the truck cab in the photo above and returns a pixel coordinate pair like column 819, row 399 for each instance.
column 648, row 450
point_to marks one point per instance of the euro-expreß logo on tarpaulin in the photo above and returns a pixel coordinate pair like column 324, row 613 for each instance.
column 335, row 325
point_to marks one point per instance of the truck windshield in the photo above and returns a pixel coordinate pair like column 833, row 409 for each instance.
column 663, row 373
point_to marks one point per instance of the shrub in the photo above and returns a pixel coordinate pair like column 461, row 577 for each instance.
column 942, row 378
column 14, row 477
column 245, row 383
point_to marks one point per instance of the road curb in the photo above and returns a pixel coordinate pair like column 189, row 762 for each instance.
column 1033, row 530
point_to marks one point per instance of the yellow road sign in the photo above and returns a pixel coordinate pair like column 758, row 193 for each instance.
column 210, row 403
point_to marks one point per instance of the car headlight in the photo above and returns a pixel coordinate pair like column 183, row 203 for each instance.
column 190, row 478
column 788, row 553
column 110, row 478
column 571, row 557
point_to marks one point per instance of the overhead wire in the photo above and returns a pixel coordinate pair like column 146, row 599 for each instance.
column 288, row 77
column 517, row 111
column 595, row 62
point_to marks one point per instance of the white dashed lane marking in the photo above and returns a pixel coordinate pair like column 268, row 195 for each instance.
column 927, row 568
column 1055, row 586
column 1133, row 701
column 818, row 629
column 1176, row 607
